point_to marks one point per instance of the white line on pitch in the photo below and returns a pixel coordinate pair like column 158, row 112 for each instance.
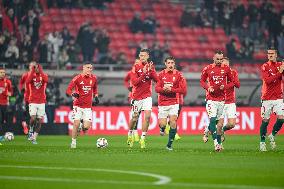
column 161, row 179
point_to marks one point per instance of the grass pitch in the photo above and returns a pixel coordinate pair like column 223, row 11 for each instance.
column 192, row 164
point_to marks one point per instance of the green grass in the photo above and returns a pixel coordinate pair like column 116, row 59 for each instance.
column 192, row 164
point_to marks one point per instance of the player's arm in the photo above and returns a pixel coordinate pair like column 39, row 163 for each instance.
column 183, row 84
column 30, row 75
column 231, row 78
column 203, row 79
column 44, row 75
column 70, row 88
column 126, row 81
column 153, row 74
column 9, row 88
column 22, row 82
column 159, row 87
column 267, row 78
column 180, row 89
column 135, row 79
column 236, row 80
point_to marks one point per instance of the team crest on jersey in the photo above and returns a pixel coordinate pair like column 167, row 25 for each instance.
column 164, row 78
column 82, row 83
column 212, row 72
column 222, row 71
column 37, row 84
column 139, row 70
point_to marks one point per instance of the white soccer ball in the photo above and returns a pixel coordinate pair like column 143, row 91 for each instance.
column 9, row 136
column 102, row 143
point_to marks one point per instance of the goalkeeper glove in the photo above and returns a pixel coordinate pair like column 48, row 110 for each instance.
column 97, row 100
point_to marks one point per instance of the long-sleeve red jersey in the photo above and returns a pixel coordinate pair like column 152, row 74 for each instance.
column 182, row 95
column 230, row 96
column 86, row 86
column 128, row 84
column 215, row 76
column 174, row 79
column 23, row 85
column 272, row 87
column 37, row 83
column 142, row 82
column 5, row 89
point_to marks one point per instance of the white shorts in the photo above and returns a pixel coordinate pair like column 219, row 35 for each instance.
column 140, row 105
column 165, row 111
column 230, row 111
column 215, row 108
column 82, row 114
column 272, row 106
column 37, row 110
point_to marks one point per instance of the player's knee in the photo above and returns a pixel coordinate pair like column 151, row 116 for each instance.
column 173, row 124
column 135, row 117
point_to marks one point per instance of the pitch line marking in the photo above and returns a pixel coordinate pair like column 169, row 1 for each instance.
column 162, row 180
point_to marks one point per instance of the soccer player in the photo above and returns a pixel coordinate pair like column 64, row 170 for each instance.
column 272, row 97
column 141, row 78
column 128, row 85
column 214, row 80
column 169, row 87
column 6, row 90
column 230, row 103
column 83, row 88
column 36, row 82
column 24, row 89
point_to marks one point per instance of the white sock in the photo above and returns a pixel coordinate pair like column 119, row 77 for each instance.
column 130, row 132
column 35, row 135
column 143, row 135
column 74, row 140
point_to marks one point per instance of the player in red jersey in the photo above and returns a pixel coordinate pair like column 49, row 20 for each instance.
column 169, row 87
column 141, row 78
column 83, row 88
column 230, row 110
column 6, row 90
column 36, row 82
column 128, row 85
column 271, row 97
column 214, row 80
column 24, row 89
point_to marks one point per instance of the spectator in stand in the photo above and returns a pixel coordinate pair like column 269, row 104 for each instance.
column 136, row 24
column 73, row 51
column 232, row 51
column 26, row 50
column 18, row 7
column 107, row 59
column 247, row 49
column 66, row 36
column 253, row 14
column 187, row 18
column 37, row 7
column 12, row 53
column 202, row 19
column 280, row 41
column 157, row 53
column 142, row 45
column 274, row 24
column 238, row 17
column 121, row 59
column 10, row 22
column 64, row 60
column 3, row 47
column 32, row 24
column 150, row 24
column 56, row 41
column 228, row 18
column 45, row 51
column 103, row 41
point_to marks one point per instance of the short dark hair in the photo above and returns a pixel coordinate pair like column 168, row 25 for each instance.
column 170, row 58
column 145, row 50
column 87, row 62
column 272, row 48
column 219, row 52
column 226, row 58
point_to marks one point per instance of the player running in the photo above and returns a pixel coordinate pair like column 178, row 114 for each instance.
column 6, row 91
column 169, row 87
column 141, row 78
column 36, row 82
column 271, row 97
column 82, row 88
column 214, row 80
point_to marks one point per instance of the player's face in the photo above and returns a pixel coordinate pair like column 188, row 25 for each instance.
column 31, row 65
column 170, row 65
column 218, row 59
column 87, row 69
column 225, row 62
column 272, row 55
column 143, row 56
column 2, row 73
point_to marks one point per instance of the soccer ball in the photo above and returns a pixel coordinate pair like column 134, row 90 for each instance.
column 102, row 143
column 9, row 136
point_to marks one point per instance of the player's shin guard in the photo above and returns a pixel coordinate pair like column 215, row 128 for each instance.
column 263, row 131
column 172, row 134
column 277, row 126
column 212, row 127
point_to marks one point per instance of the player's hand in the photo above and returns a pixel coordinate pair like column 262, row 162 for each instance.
column 150, row 66
column 222, row 87
column 97, row 100
column 281, row 69
column 130, row 89
column 145, row 68
column 210, row 89
column 75, row 95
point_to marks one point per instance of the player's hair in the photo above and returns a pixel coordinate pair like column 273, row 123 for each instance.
column 272, row 48
column 226, row 58
column 87, row 62
column 145, row 50
column 170, row 58
column 219, row 52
